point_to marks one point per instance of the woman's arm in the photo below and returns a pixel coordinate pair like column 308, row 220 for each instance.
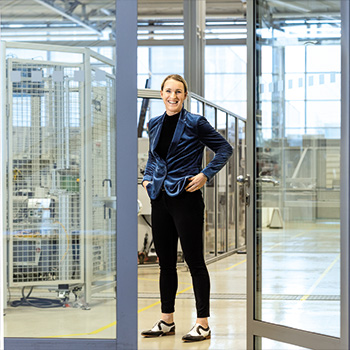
column 148, row 175
column 151, row 163
column 217, row 143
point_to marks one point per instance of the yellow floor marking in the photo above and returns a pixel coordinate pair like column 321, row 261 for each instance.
column 68, row 335
column 149, row 306
column 325, row 272
column 158, row 302
column 113, row 323
column 190, row 287
column 231, row 267
column 185, row 290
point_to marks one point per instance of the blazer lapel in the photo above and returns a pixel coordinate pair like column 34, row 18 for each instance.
column 178, row 132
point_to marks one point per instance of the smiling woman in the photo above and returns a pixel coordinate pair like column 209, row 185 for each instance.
column 173, row 179
column 173, row 92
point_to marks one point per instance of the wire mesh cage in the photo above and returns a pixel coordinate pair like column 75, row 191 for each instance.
column 45, row 143
column 61, row 169
column 103, row 175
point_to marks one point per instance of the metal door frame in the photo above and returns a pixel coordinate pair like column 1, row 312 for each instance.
column 276, row 332
column 126, row 138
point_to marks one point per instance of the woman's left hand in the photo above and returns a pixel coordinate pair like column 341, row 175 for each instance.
column 196, row 182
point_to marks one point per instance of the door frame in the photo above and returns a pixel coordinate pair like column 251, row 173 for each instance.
column 276, row 332
column 126, row 213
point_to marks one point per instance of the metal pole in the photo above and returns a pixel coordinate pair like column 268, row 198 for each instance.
column 87, row 198
column 126, row 172
column 250, row 137
column 345, row 182
column 2, row 193
column 194, row 44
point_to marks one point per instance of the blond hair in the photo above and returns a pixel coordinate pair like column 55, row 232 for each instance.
column 175, row 77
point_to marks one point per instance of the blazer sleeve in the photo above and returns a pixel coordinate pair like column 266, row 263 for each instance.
column 148, row 175
column 151, row 162
column 217, row 143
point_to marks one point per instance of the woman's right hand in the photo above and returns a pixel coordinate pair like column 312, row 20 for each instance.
column 145, row 183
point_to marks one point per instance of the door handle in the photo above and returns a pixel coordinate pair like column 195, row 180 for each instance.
column 241, row 180
column 268, row 179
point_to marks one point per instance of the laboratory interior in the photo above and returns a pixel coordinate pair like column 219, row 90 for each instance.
column 80, row 81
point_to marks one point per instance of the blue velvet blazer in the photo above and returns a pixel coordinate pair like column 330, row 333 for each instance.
column 184, row 159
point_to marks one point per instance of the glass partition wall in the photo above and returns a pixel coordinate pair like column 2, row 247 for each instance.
column 58, row 166
column 296, row 139
column 60, row 192
column 224, row 228
column 298, row 173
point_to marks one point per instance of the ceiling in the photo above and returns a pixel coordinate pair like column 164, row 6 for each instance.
column 95, row 17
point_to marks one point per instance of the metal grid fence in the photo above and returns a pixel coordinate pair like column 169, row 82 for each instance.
column 45, row 142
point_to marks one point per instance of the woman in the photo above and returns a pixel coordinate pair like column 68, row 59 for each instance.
column 173, row 179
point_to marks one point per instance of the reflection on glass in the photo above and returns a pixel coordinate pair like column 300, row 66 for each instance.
column 210, row 202
column 241, row 192
column 148, row 108
column 231, row 220
column 268, row 344
column 298, row 170
column 222, row 192
column 61, row 201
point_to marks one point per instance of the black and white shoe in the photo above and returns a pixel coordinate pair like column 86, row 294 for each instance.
column 160, row 329
column 197, row 333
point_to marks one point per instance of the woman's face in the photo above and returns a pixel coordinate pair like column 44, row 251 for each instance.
column 173, row 95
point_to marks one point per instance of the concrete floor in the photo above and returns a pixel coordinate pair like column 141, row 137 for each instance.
column 228, row 307
column 300, row 288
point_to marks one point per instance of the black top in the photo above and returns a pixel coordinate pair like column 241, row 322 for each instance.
column 167, row 133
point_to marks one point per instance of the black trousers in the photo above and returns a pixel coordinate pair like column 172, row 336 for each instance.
column 173, row 218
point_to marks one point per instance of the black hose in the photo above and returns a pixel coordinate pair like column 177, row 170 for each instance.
column 147, row 222
column 41, row 303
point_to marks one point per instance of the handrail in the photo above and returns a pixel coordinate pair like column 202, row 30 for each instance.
column 207, row 102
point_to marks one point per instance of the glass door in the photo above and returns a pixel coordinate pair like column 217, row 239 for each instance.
column 294, row 277
column 63, row 246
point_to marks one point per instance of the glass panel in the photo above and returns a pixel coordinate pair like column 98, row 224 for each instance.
column 196, row 106
column 148, row 108
column 225, row 77
column 222, row 192
column 298, row 169
column 232, row 184
column 269, row 344
column 165, row 60
column 241, row 193
column 210, row 202
column 60, row 182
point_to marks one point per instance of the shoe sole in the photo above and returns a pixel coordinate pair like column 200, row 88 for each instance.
column 194, row 340
column 156, row 336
